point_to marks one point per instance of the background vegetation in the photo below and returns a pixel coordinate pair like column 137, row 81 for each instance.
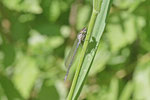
column 36, row 35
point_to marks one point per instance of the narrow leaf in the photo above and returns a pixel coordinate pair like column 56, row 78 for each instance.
column 93, row 45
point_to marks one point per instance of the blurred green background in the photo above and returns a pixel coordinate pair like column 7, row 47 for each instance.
column 36, row 35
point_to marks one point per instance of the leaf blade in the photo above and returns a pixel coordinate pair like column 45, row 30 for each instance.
column 93, row 45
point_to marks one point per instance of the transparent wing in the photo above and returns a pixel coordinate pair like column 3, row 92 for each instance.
column 70, row 56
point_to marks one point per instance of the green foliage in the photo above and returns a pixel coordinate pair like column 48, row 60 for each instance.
column 36, row 35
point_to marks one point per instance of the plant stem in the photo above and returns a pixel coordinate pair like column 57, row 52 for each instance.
column 88, row 35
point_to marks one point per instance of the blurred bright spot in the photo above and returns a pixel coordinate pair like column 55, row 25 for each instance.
column 56, row 41
column 32, row 6
column 6, row 25
column 142, row 80
column 121, row 73
column 61, row 89
column 36, row 38
column 26, row 17
column 124, row 3
column 65, row 31
column 117, row 60
column 83, row 16
column 54, row 10
column 26, row 72
column 118, row 37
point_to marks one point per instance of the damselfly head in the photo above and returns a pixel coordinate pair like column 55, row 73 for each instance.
column 83, row 31
column 82, row 34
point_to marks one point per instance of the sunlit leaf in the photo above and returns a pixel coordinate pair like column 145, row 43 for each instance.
column 9, row 88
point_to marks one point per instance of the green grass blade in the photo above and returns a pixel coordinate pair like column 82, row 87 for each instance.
column 127, row 91
column 82, row 56
column 92, row 46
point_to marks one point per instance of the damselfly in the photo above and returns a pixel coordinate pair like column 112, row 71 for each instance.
column 72, row 53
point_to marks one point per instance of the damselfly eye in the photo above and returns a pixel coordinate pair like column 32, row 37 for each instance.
column 85, row 30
